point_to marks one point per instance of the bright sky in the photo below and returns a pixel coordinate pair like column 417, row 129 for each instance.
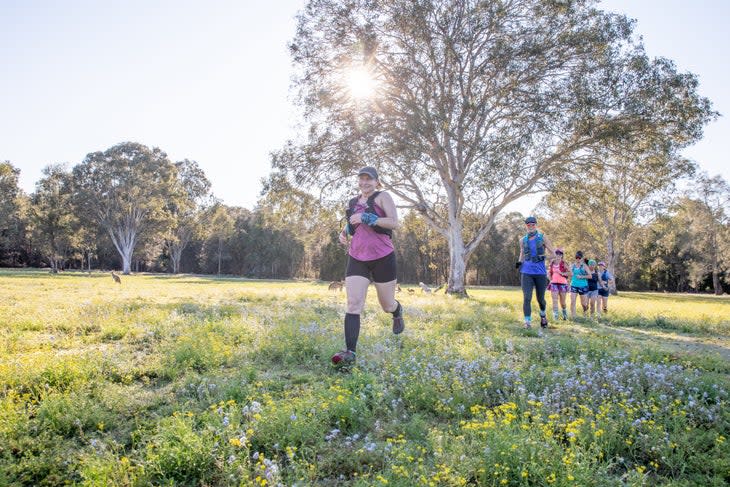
column 209, row 81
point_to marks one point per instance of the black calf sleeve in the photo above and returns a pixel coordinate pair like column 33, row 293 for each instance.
column 352, row 330
column 398, row 310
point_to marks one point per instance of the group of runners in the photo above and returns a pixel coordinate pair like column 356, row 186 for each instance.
column 370, row 219
column 586, row 280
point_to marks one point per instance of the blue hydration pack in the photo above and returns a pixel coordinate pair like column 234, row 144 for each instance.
column 539, row 246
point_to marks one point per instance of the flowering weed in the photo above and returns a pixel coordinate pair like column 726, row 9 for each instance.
column 203, row 381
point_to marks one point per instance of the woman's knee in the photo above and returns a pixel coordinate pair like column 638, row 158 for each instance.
column 355, row 306
column 388, row 305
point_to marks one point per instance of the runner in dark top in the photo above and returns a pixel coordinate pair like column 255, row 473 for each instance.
column 534, row 246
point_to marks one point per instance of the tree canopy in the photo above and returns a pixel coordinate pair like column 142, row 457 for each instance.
column 126, row 190
column 475, row 103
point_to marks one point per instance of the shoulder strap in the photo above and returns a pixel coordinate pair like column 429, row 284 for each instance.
column 371, row 201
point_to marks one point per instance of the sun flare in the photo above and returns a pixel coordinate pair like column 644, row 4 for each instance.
column 361, row 83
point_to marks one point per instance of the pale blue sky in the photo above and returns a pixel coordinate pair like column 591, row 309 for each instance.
column 210, row 80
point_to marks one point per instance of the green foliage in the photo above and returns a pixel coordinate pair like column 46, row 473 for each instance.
column 200, row 381
column 477, row 104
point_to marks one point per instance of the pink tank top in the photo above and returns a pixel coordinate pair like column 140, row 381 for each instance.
column 367, row 244
column 555, row 276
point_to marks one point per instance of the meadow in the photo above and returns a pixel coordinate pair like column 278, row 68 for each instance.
column 203, row 381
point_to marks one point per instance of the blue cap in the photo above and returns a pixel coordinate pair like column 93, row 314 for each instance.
column 531, row 219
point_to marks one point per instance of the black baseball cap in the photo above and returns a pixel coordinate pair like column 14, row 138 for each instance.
column 370, row 171
column 531, row 219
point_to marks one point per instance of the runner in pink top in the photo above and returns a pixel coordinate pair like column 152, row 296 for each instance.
column 371, row 218
column 558, row 273
column 366, row 243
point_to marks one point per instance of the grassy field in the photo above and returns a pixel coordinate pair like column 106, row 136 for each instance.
column 201, row 381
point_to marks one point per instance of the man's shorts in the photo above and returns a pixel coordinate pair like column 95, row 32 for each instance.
column 561, row 288
column 579, row 290
column 603, row 293
column 592, row 294
column 378, row 270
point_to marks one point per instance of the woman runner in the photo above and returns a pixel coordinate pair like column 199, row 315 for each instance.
column 558, row 275
column 603, row 288
column 593, row 287
column 578, row 283
column 371, row 256
column 534, row 246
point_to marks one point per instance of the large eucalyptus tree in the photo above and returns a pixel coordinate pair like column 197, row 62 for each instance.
column 465, row 106
column 126, row 190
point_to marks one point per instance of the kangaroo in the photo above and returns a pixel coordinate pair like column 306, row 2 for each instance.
column 335, row 286
column 116, row 278
column 425, row 288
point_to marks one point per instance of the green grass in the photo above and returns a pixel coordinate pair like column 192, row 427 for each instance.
column 194, row 380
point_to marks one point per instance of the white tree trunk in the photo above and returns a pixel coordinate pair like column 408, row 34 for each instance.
column 457, row 269
column 175, row 255
column 177, row 245
column 124, row 240
column 457, row 259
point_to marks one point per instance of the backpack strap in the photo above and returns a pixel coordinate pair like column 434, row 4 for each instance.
column 369, row 209
column 539, row 245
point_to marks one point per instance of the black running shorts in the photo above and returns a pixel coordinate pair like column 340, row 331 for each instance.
column 379, row 270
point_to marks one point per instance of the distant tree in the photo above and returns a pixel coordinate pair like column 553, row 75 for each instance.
column 9, row 192
column 219, row 228
column 331, row 259
column 53, row 215
column 190, row 196
column 125, row 189
column 15, row 248
column 474, row 103
column 313, row 222
column 260, row 251
column 604, row 198
column 494, row 260
column 423, row 253
column 708, row 221
column 655, row 255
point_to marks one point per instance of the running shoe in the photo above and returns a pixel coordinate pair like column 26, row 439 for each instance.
column 543, row 322
column 398, row 325
column 343, row 357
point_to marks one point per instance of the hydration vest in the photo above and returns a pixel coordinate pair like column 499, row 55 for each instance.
column 539, row 247
column 562, row 267
column 369, row 209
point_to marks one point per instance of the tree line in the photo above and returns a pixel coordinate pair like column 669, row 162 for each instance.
column 133, row 209
column 474, row 105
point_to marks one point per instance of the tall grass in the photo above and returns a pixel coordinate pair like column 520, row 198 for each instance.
column 194, row 380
